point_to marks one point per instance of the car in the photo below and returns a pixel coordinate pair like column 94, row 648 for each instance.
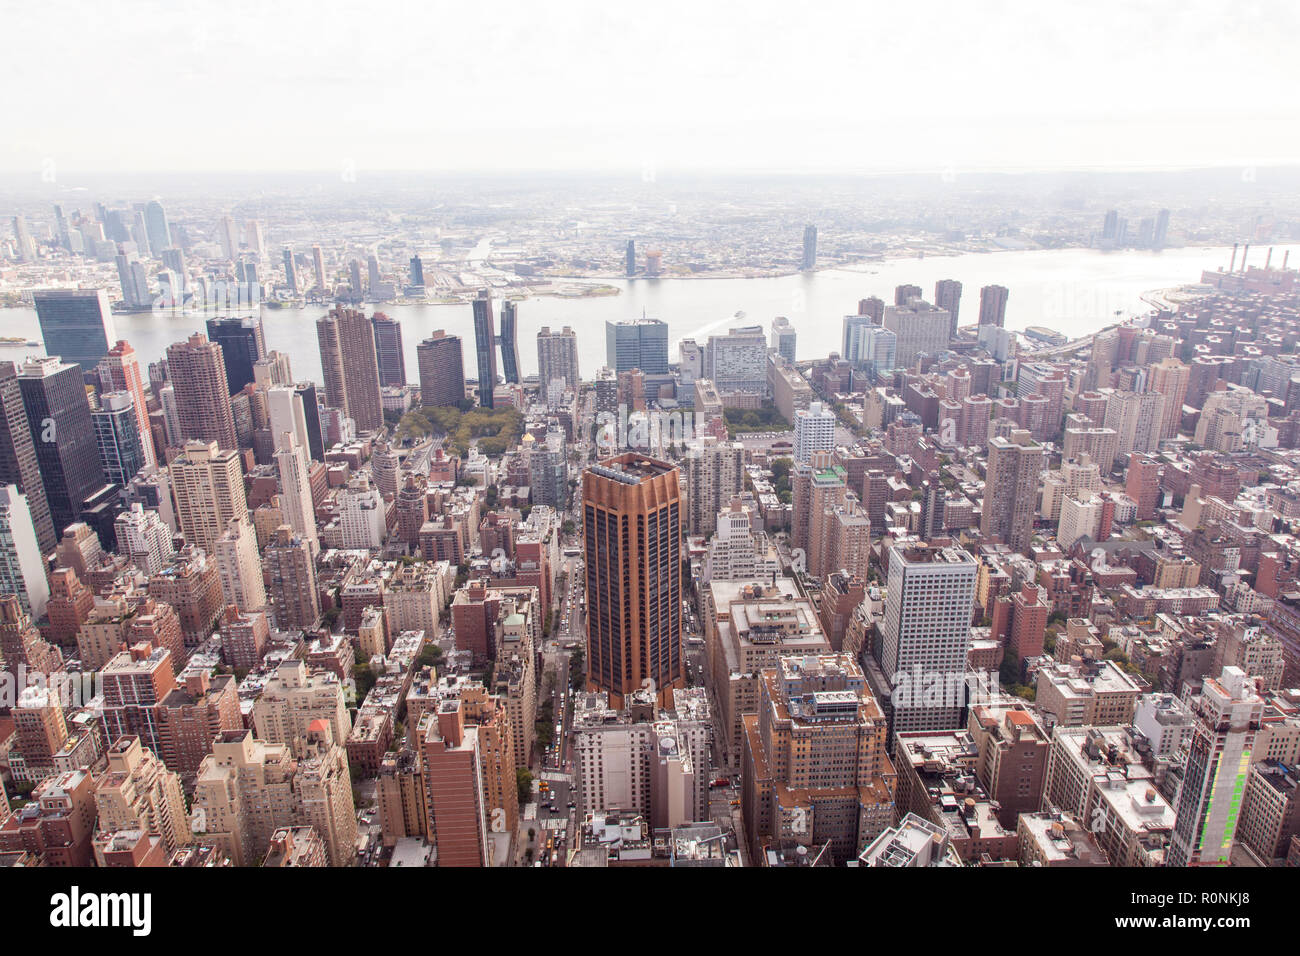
column 572, row 805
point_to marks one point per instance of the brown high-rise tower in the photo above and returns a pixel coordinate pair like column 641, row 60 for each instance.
column 350, row 366
column 632, row 525
column 197, row 371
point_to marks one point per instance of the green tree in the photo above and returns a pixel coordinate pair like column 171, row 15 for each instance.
column 524, row 784
column 365, row 678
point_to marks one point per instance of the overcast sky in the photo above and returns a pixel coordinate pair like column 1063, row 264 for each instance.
column 602, row 84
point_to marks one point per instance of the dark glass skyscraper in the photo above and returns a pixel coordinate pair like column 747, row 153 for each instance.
column 388, row 350
column 76, row 324
column 290, row 273
column 485, row 347
column 311, row 411
column 58, row 416
column 510, row 341
column 18, row 464
column 242, row 343
column 121, row 451
column 631, row 257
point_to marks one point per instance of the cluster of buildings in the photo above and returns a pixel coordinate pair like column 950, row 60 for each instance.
column 944, row 598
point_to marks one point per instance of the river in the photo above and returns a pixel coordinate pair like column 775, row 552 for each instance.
column 1074, row 291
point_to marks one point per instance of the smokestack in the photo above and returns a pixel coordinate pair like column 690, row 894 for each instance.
column 1233, row 264
column 1268, row 258
column 1244, row 252
column 1286, row 254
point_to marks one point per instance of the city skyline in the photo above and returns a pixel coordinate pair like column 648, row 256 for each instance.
column 679, row 435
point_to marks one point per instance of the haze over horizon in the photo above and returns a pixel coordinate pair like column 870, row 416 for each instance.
column 242, row 87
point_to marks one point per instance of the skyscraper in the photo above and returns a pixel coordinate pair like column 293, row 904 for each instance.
column 350, row 367
column 417, row 271
column 851, row 347
column 920, row 327
column 1170, row 377
column 121, row 452
column 451, row 756
column 226, row 236
column 22, row 566
column 286, row 415
column 809, row 247
column 134, row 281
column 23, row 240
column 291, row 569
column 1162, row 230
column 816, row 767
column 630, row 264
column 209, row 487
column 295, row 489
column 632, row 525
column 715, row 471
column 254, row 238
column 783, row 338
column 196, row 369
column 557, row 356
column 290, row 273
column 905, row 293
column 1142, row 484
column 388, row 350
column 1228, row 716
column 814, row 430
column 485, row 347
column 318, row 265
column 1110, row 224
column 1137, row 418
column 243, row 343
column 60, row 427
column 641, row 343
column 510, row 341
column 76, row 324
column 120, row 372
column 878, row 351
column 947, row 296
column 315, row 447
column 240, row 566
column 155, row 221
column 18, row 462
column 925, row 634
column 993, row 305
column 1015, row 467
column 442, row 370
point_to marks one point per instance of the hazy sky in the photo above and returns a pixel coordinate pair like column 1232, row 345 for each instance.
column 602, row 84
